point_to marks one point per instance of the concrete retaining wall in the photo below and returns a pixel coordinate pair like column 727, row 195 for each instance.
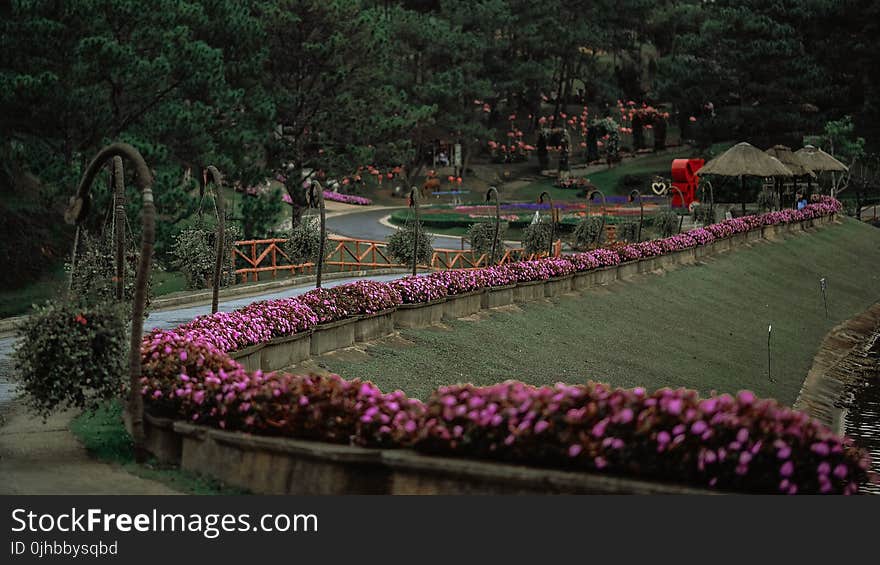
column 335, row 335
column 419, row 315
column 374, row 326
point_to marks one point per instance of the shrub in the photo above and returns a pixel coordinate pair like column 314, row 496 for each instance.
column 195, row 254
column 304, row 243
column 703, row 214
column 400, row 245
column 628, row 231
column 481, row 234
column 94, row 275
column 414, row 290
column 369, row 297
column 72, row 355
column 667, row 223
column 725, row 442
column 536, row 238
column 588, row 233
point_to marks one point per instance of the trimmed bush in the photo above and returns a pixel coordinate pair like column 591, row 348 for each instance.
column 304, row 243
column 666, row 222
column 72, row 356
column 481, row 234
column 536, row 238
column 628, row 231
column 589, row 233
column 400, row 245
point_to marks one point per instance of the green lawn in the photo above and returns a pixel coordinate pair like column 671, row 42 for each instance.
column 702, row 327
column 610, row 181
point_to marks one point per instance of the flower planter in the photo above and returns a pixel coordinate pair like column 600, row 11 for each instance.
column 335, row 335
column 608, row 274
column 754, row 235
column 270, row 465
column 738, row 239
column 528, row 291
column 497, row 296
column 557, row 286
column 462, row 305
column 413, row 473
column 628, row 270
column 161, row 440
column 687, row 256
column 771, row 232
column 374, row 326
column 285, row 351
column 585, row 279
column 419, row 315
column 647, row 264
column 249, row 357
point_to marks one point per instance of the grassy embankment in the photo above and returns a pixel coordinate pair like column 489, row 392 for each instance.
column 702, row 327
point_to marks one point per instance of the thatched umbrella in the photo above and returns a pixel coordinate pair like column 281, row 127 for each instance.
column 819, row 161
column 793, row 162
column 742, row 160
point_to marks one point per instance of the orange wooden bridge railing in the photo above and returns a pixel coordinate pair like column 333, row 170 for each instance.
column 255, row 256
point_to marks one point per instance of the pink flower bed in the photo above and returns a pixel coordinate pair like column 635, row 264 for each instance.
column 347, row 198
column 722, row 442
column 414, row 290
column 732, row 443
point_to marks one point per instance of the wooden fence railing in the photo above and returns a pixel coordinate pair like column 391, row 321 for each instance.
column 255, row 256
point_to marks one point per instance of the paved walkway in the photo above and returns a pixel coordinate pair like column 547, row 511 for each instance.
column 45, row 458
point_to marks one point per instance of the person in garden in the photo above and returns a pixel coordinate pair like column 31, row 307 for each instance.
column 801, row 201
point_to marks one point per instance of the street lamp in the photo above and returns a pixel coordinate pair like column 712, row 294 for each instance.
column 636, row 194
column 316, row 198
column 604, row 211
column 680, row 195
column 489, row 193
column 414, row 203
column 552, row 221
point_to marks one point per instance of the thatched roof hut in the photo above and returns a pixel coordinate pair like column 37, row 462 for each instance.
column 791, row 160
column 744, row 159
column 818, row 161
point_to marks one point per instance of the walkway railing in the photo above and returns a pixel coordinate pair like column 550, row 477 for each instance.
column 252, row 257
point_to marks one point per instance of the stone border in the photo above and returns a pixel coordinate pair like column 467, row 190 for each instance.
column 420, row 315
column 275, row 465
column 332, row 336
column 374, row 326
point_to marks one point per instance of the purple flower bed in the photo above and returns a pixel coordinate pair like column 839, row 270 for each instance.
column 722, row 442
column 459, row 281
column 418, row 289
column 347, row 198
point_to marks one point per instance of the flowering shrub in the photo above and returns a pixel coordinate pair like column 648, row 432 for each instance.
column 347, row 198
column 582, row 261
column 414, row 290
column 500, row 275
column 630, row 252
column 459, row 281
column 370, row 297
column 725, row 442
column 606, row 257
column 701, row 235
column 253, row 324
column 328, row 304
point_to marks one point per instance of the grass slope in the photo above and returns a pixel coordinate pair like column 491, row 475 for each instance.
column 702, row 327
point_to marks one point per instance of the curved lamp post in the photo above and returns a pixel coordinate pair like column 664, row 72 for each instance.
column 118, row 176
column 636, row 194
column 316, row 197
column 552, row 221
column 489, row 193
column 76, row 212
column 604, row 211
column 711, row 197
column 680, row 195
column 219, row 242
column 414, row 204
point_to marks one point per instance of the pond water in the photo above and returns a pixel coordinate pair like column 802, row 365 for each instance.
column 862, row 420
